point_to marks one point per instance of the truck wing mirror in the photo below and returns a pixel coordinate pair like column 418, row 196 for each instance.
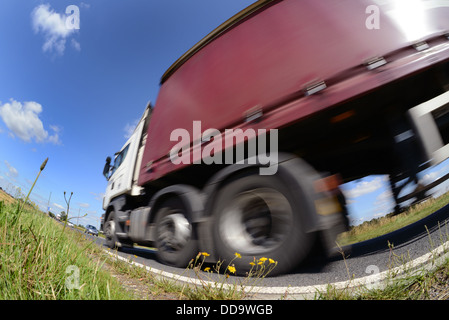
column 107, row 167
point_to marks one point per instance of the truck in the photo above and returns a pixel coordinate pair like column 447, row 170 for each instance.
column 257, row 126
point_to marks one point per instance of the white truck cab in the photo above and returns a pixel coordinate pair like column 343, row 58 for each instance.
column 122, row 175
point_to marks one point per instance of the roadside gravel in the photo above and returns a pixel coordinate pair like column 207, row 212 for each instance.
column 141, row 288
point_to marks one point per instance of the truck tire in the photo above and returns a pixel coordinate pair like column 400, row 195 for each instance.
column 258, row 216
column 175, row 240
column 109, row 232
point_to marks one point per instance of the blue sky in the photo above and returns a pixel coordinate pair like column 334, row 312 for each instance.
column 73, row 94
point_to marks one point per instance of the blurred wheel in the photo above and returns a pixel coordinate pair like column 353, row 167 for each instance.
column 175, row 242
column 258, row 216
column 109, row 232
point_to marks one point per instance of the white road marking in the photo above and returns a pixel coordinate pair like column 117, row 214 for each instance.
column 424, row 263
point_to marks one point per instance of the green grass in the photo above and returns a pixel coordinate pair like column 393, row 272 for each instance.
column 40, row 259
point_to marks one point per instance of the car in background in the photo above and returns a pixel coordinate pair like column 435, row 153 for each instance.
column 90, row 229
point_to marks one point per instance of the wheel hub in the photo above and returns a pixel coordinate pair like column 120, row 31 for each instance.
column 109, row 229
column 256, row 222
column 174, row 232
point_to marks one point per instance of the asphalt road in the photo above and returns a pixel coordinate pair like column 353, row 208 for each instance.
column 360, row 260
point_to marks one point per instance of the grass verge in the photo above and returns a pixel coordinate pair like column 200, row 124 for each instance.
column 38, row 260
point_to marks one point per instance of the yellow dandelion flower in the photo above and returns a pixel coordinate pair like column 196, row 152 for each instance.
column 231, row 269
column 238, row 255
column 271, row 260
column 207, row 269
column 252, row 263
column 263, row 259
column 205, row 254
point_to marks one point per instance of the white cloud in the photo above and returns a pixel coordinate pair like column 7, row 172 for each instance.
column 76, row 45
column 84, row 205
column 379, row 215
column 23, row 121
column 434, row 174
column 98, row 196
column 58, row 206
column 55, row 137
column 354, row 221
column 364, row 187
column 129, row 128
column 12, row 172
column 84, row 5
column 384, row 203
column 53, row 27
column 384, row 196
column 430, row 177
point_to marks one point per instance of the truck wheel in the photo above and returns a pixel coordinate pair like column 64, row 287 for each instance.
column 109, row 232
column 175, row 242
column 258, row 216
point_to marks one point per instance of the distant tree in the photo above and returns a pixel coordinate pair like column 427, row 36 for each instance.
column 63, row 216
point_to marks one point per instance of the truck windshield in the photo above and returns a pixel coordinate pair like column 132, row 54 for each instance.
column 119, row 159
